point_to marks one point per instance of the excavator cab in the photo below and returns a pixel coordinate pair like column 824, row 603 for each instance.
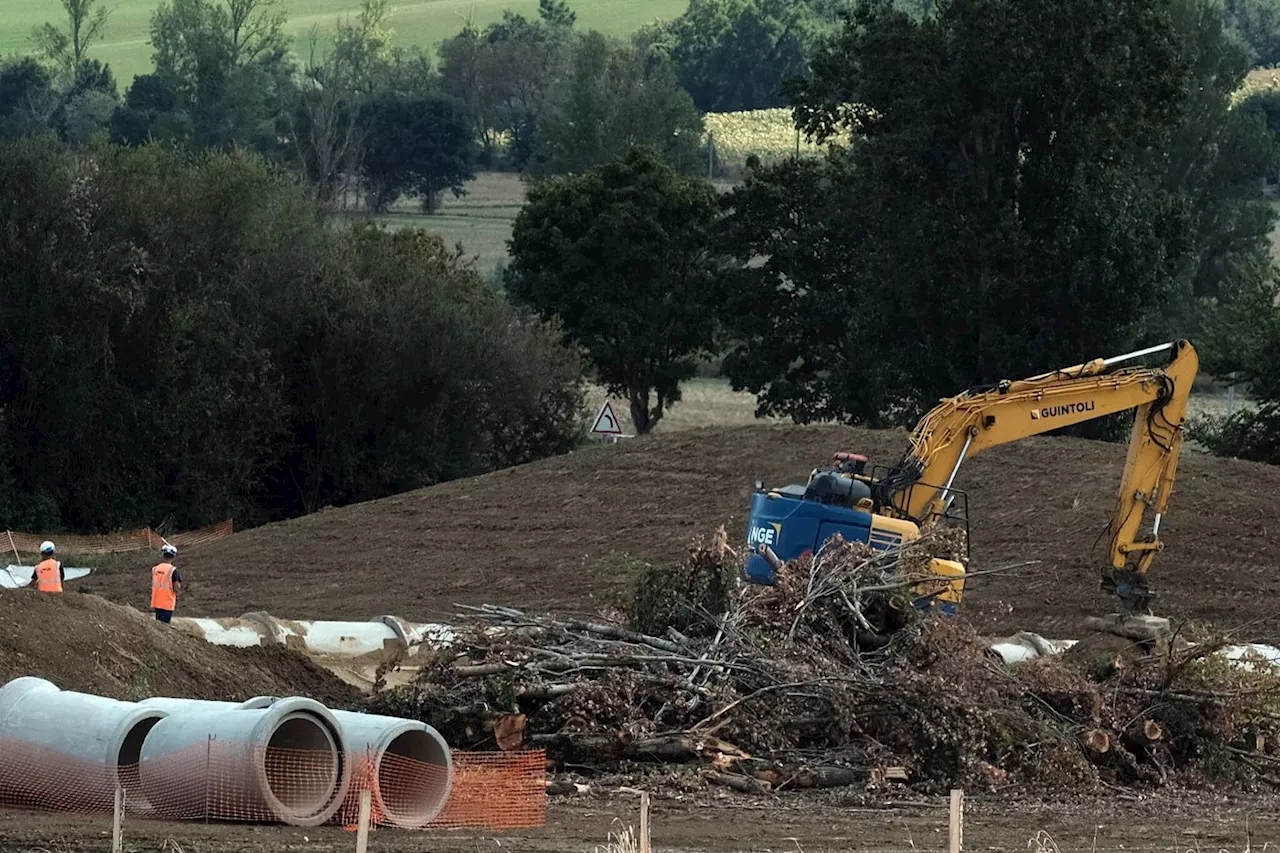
column 791, row 522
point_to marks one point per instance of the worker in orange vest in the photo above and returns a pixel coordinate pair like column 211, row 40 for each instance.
column 166, row 583
column 49, row 573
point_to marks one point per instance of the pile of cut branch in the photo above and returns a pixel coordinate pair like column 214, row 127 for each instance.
column 833, row 676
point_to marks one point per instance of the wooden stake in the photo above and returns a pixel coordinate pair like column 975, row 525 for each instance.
column 957, row 820
column 117, row 822
column 362, row 829
column 644, row 823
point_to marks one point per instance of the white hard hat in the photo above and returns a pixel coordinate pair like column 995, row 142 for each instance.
column 46, row 547
column 168, row 550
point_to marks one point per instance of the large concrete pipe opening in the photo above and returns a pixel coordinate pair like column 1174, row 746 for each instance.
column 130, row 754
column 69, row 750
column 302, row 764
column 283, row 760
column 407, row 764
column 414, row 790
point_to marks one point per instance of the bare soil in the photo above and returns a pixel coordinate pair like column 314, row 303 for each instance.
column 550, row 534
column 81, row 642
column 786, row 823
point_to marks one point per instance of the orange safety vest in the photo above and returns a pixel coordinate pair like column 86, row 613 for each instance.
column 162, row 594
column 48, row 578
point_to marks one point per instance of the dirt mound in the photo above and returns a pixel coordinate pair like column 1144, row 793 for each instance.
column 550, row 534
column 83, row 643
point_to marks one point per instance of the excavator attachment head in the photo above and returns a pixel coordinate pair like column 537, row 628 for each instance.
column 1131, row 588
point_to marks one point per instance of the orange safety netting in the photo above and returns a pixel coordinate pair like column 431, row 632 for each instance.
column 232, row 781
column 114, row 543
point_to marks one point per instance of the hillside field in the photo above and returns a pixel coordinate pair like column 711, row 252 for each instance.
column 415, row 22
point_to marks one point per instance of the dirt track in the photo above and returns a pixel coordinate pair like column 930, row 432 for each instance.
column 1166, row 824
column 548, row 534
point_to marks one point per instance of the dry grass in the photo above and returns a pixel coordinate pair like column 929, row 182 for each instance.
column 705, row 403
column 625, row 841
column 713, row 403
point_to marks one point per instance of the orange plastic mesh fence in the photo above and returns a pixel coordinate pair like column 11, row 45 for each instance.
column 233, row 781
column 114, row 543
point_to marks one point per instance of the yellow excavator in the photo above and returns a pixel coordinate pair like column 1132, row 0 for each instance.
column 887, row 507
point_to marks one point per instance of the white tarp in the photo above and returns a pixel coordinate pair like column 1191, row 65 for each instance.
column 16, row 577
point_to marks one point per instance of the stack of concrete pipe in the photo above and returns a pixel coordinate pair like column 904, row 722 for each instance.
column 71, row 750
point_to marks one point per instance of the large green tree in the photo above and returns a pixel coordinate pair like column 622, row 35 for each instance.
column 622, row 255
column 738, row 54
column 995, row 205
column 228, row 62
column 506, row 75
column 616, row 95
column 189, row 336
column 420, row 146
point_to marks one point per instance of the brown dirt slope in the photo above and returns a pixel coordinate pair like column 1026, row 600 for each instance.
column 83, row 643
column 547, row 534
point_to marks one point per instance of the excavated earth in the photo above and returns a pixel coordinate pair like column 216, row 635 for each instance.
column 559, row 533
column 86, row 644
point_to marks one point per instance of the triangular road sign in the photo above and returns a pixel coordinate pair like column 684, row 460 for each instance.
column 606, row 422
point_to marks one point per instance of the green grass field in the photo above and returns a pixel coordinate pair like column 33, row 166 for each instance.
column 425, row 22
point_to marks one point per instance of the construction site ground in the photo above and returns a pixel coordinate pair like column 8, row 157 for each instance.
column 83, row 643
column 557, row 533
column 796, row 824
column 563, row 534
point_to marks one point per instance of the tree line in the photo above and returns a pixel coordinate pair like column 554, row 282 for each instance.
column 187, row 333
column 353, row 114
column 186, row 336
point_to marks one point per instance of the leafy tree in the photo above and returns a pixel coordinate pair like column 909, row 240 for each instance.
column 616, row 96
column 189, row 337
column 737, row 54
column 66, row 47
column 1218, row 156
column 990, row 211
column 152, row 112
column 1242, row 332
column 507, row 74
column 228, row 60
column 420, row 145
column 1256, row 23
column 27, row 98
column 84, row 115
column 621, row 255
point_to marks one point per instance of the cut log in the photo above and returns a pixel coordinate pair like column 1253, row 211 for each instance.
column 1149, row 628
column 1096, row 741
column 745, row 784
column 1143, row 734
column 508, row 731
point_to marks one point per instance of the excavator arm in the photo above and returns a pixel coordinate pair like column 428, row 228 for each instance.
column 960, row 427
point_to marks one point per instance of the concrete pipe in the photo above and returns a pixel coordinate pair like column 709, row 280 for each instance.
column 406, row 764
column 343, row 639
column 70, row 750
column 410, row 788
column 285, row 762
